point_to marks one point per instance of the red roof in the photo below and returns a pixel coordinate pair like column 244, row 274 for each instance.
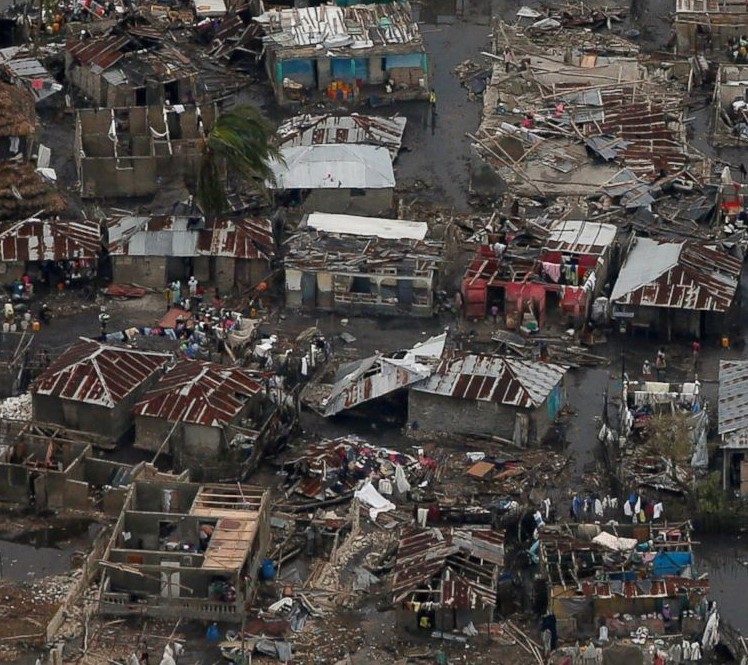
column 239, row 239
column 200, row 393
column 103, row 52
column 95, row 373
column 36, row 240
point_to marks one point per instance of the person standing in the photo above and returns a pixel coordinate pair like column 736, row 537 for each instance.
column 696, row 352
column 103, row 320
column 660, row 364
column 495, row 313
column 192, row 287
column 647, row 371
column 508, row 59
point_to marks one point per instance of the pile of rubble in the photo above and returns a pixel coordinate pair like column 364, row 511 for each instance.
column 52, row 589
column 16, row 408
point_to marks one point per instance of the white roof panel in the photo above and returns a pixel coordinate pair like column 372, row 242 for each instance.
column 396, row 229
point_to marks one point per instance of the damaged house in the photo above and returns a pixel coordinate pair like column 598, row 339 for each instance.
column 138, row 69
column 158, row 249
column 345, row 51
column 215, row 419
column 27, row 246
column 676, row 288
column 130, row 152
column 591, row 572
column 446, row 578
column 353, row 129
column 716, row 21
column 517, row 400
column 379, row 376
column 363, row 272
column 730, row 119
column 93, row 387
column 185, row 551
column 562, row 277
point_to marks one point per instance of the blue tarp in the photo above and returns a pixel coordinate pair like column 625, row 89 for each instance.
column 671, row 563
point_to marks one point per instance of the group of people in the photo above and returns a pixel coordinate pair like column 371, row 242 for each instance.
column 660, row 364
column 173, row 293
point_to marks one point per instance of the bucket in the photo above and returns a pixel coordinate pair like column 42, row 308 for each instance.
column 725, row 342
column 36, row 326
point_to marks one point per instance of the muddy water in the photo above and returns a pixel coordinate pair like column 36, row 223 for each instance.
column 726, row 561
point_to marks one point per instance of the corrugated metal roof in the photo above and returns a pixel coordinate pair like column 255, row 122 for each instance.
column 36, row 240
column 424, row 554
column 307, row 129
column 330, row 26
column 250, row 238
column 167, row 235
column 577, row 237
column 394, row 229
column 677, row 275
column 101, row 53
column 733, row 396
column 95, row 373
column 332, row 167
column 488, row 378
column 200, row 393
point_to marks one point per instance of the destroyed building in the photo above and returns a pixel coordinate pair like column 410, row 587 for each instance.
column 730, row 119
column 561, row 278
column 25, row 192
column 623, row 573
column 676, row 288
column 27, row 246
column 126, row 70
column 346, row 52
column 353, row 129
column 51, row 469
column 157, row 249
column 732, row 424
column 713, row 22
column 446, row 578
column 379, row 376
column 93, row 387
column 515, row 400
column 363, row 272
column 130, row 152
column 17, row 122
column 555, row 128
column 22, row 68
column 335, row 178
column 216, row 420
column 186, row 551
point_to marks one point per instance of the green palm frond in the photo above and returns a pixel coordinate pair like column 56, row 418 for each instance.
column 240, row 142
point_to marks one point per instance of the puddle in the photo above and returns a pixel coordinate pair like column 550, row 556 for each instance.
column 721, row 557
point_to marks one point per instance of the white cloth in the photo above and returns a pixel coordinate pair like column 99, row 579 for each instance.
column 638, row 506
column 614, row 502
column 385, row 486
column 369, row 496
column 603, row 637
column 686, row 651
column 538, row 516
column 695, row 651
column 547, row 507
column 400, row 480
column 627, row 509
column 423, row 514
column 658, row 510
column 598, row 507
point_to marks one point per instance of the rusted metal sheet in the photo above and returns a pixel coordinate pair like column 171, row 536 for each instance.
column 677, row 275
column 98, row 374
column 36, row 240
column 250, row 238
column 199, row 393
column 472, row 556
column 488, row 378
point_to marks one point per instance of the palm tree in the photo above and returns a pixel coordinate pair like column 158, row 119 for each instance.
column 240, row 144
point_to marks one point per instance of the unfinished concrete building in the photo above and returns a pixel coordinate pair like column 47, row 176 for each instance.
column 51, row 469
column 186, row 551
column 130, row 152
column 92, row 387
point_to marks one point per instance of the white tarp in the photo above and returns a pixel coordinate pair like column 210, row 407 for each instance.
column 369, row 496
column 615, row 543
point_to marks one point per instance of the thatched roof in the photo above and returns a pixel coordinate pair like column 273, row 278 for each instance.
column 17, row 111
column 23, row 192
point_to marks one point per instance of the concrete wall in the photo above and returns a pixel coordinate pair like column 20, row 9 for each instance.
column 369, row 202
column 147, row 271
column 112, row 424
column 100, row 177
column 437, row 413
